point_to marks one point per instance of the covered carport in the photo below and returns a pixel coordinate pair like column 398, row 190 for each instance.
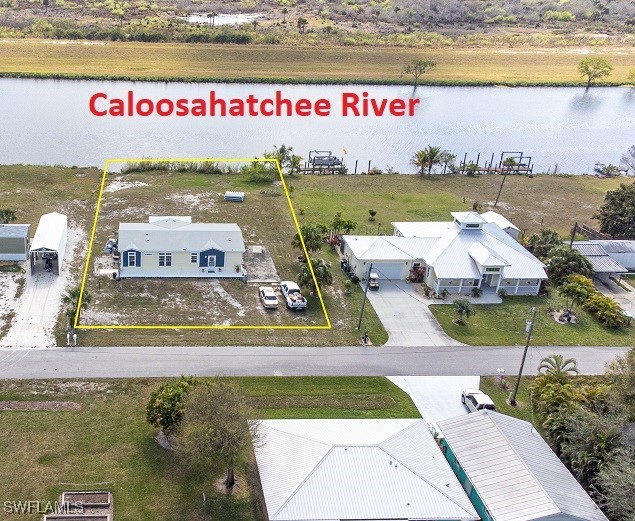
column 49, row 244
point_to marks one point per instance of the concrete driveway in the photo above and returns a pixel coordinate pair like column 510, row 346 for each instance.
column 624, row 298
column 406, row 316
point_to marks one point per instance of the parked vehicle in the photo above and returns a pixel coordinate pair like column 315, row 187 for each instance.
column 477, row 401
column 373, row 280
column 268, row 297
column 326, row 161
column 292, row 294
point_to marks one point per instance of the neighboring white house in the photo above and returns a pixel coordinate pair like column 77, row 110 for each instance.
column 507, row 226
column 173, row 246
column 510, row 473
column 332, row 470
column 14, row 242
column 49, row 242
column 455, row 255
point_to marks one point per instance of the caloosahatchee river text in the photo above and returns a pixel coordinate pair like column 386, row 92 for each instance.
column 350, row 104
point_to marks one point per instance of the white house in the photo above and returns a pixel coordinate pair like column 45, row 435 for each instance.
column 173, row 246
column 504, row 224
column 332, row 470
column 455, row 255
column 510, row 473
column 14, row 242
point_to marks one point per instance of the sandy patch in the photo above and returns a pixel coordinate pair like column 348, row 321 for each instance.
column 8, row 289
column 118, row 184
column 220, row 291
column 205, row 201
column 39, row 305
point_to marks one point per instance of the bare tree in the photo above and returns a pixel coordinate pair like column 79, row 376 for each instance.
column 416, row 68
column 628, row 161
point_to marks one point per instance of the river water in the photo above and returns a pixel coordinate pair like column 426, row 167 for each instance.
column 49, row 122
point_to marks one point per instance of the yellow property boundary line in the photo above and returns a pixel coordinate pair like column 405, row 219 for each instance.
column 76, row 323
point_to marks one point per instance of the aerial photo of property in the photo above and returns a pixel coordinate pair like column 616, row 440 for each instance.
column 317, row 260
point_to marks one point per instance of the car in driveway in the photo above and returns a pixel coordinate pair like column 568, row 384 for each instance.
column 268, row 297
column 292, row 295
column 476, row 400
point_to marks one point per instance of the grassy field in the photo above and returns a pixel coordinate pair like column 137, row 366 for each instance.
column 108, row 440
column 555, row 202
column 277, row 63
column 504, row 324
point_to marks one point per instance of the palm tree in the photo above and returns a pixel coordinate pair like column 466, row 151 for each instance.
column 71, row 300
column 294, row 163
column 284, row 15
column 447, row 158
column 323, row 275
column 576, row 289
column 212, row 17
column 463, row 309
column 558, row 367
column 312, row 238
column 302, row 23
column 427, row 159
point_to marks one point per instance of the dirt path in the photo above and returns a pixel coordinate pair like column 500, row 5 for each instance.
column 37, row 309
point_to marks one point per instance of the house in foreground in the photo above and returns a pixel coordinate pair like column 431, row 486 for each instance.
column 510, row 473
column 14, row 242
column 381, row 469
column 176, row 247
column 455, row 256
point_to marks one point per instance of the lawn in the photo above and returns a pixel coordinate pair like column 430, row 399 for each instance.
column 108, row 440
column 549, row 201
column 299, row 64
column 504, row 324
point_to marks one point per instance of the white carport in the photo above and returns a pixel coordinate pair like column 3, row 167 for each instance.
column 49, row 242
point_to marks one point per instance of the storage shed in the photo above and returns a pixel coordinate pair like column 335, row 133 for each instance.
column 14, row 242
column 49, row 244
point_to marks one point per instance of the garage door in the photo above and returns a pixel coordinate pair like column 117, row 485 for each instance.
column 388, row 270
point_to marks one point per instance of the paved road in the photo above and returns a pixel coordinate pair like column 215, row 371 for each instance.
column 121, row 362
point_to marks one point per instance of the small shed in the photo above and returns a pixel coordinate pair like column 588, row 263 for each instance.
column 504, row 224
column 49, row 244
column 14, row 242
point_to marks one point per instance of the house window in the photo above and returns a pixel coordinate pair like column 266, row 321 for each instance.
column 193, row 258
column 165, row 259
column 496, row 270
column 211, row 261
column 132, row 259
column 468, row 225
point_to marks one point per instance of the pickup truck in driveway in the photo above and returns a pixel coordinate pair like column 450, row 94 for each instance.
column 292, row 295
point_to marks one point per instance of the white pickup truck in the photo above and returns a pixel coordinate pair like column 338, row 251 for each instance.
column 292, row 295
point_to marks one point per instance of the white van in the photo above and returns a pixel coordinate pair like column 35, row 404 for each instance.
column 477, row 401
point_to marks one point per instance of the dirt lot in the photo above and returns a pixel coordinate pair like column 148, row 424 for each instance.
column 265, row 220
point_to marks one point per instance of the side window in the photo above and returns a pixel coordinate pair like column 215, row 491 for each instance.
column 132, row 259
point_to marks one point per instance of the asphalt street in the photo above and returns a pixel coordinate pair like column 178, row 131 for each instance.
column 128, row 362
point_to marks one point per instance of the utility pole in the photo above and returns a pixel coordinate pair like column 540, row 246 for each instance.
column 529, row 328
column 575, row 229
column 361, row 313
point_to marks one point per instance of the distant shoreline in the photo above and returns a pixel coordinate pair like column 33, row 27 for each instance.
column 176, row 62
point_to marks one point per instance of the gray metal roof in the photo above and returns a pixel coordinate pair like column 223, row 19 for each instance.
column 357, row 469
column 616, row 246
column 501, row 221
column 17, row 231
column 173, row 234
column 597, row 256
column 514, row 471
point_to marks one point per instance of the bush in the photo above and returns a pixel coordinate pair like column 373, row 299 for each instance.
column 502, row 293
column 355, row 279
column 559, row 16
column 607, row 311
column 476, row 291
